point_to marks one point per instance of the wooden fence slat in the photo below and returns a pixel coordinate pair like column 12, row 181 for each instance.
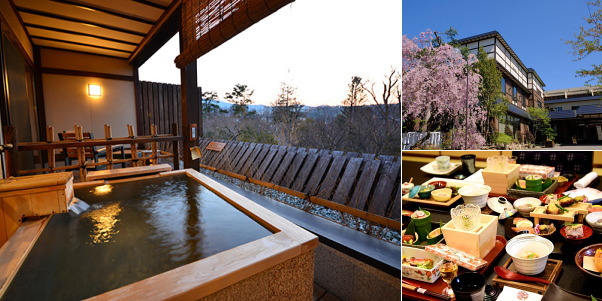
column 243, row 159
column 291, row 173
column 249, row 162
column 364, row 184
column 329, row 184
column 306, row 169
column 337, row 153
column 386, row 158
column 278, row 177
column 208, row 158
column 234, row 150
column 395, row 210
column 383, row 193
column 261, row 157
column 266, row 162
column 269, row 173
column 241, row 153
column 316, row 177
column 342, row 194
column 368, row 157
column 222, row 156
column 353, row 155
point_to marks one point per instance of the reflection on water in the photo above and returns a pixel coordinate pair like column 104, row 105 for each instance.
column 103, row 189
column 136, row 230
column 104, row 220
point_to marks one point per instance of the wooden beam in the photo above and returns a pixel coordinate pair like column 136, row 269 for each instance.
column 191, row 114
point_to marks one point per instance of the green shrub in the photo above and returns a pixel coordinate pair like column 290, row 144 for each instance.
column 502, row 138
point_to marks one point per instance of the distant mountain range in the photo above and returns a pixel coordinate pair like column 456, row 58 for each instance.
column 311, row 111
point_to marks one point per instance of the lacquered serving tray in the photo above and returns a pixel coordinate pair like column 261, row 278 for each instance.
column 431, row 200
column 439, row 285
column 551, row 273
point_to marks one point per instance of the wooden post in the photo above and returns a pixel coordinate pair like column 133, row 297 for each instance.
column 109, row 148
column 153, row 131
column 133, row 147
column 176, row 148
column 81, row 152
column 190, row 110
column 10, row 154
column 50, row 152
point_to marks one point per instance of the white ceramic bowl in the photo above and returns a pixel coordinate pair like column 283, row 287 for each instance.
column 442, row 194
column 525, row 211
column 475, row 194
column 523, row 243
column 592, row 218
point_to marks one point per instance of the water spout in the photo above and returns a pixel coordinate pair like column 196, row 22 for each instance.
column 77, row 206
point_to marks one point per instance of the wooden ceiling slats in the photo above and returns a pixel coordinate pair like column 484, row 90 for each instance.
column 80, row 27
column 56, row 29
column 80, row 39
column 107, row 10
column 109, row 27
column 79, row 48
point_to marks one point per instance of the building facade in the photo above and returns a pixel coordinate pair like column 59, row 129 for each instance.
column 522, row 87
column 576, row 114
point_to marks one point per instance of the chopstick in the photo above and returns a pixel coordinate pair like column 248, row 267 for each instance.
column 411, row 179
column 417, row 289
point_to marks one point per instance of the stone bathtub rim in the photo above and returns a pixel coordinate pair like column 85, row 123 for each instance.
column 197, row 279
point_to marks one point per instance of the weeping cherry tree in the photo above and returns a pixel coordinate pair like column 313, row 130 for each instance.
column 435, row 88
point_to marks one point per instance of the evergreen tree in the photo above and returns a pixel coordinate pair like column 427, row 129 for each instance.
column 210, row 106
column 490, row 96
column 240, row 97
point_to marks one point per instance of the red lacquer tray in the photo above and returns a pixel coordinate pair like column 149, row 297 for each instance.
column 439, row 285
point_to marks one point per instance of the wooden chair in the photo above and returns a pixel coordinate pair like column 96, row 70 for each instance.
column 71, row 152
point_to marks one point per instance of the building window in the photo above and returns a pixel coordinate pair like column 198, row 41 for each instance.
column 524, row 100
column 514, row 93
column 557, row 109
column 503, row 85
column 575, row 108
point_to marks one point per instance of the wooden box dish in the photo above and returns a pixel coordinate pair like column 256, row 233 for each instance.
column 551, row 273
column 477, row 243
column 501, row 181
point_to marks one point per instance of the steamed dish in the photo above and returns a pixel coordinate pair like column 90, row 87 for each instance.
column 529, row 255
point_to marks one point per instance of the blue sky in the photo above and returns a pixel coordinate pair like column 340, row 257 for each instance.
column 534, row 29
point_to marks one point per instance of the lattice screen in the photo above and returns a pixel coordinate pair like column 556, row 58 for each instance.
column 207, row 24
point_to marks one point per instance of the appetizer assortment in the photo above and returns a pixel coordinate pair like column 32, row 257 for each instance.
column 535, row 222
column 417, row 262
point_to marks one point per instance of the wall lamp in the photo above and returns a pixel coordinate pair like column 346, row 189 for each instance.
column 94, row 90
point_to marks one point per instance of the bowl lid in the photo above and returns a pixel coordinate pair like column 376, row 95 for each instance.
column 414, row 191
column 498, row 204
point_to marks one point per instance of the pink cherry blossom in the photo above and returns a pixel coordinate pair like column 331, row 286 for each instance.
column 434, row 86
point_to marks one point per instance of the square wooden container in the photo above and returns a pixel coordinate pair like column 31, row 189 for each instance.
column 501, row 181
column 551, row 273
column 478, row 243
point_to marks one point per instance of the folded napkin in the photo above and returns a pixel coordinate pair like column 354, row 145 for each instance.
column 513, row 294
column 586, row 180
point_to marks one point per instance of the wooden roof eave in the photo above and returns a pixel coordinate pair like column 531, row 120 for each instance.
column 165, row 28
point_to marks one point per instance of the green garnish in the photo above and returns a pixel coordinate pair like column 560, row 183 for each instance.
column 560, row 207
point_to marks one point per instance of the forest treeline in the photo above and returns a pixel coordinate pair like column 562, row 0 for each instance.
column 368, row 120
